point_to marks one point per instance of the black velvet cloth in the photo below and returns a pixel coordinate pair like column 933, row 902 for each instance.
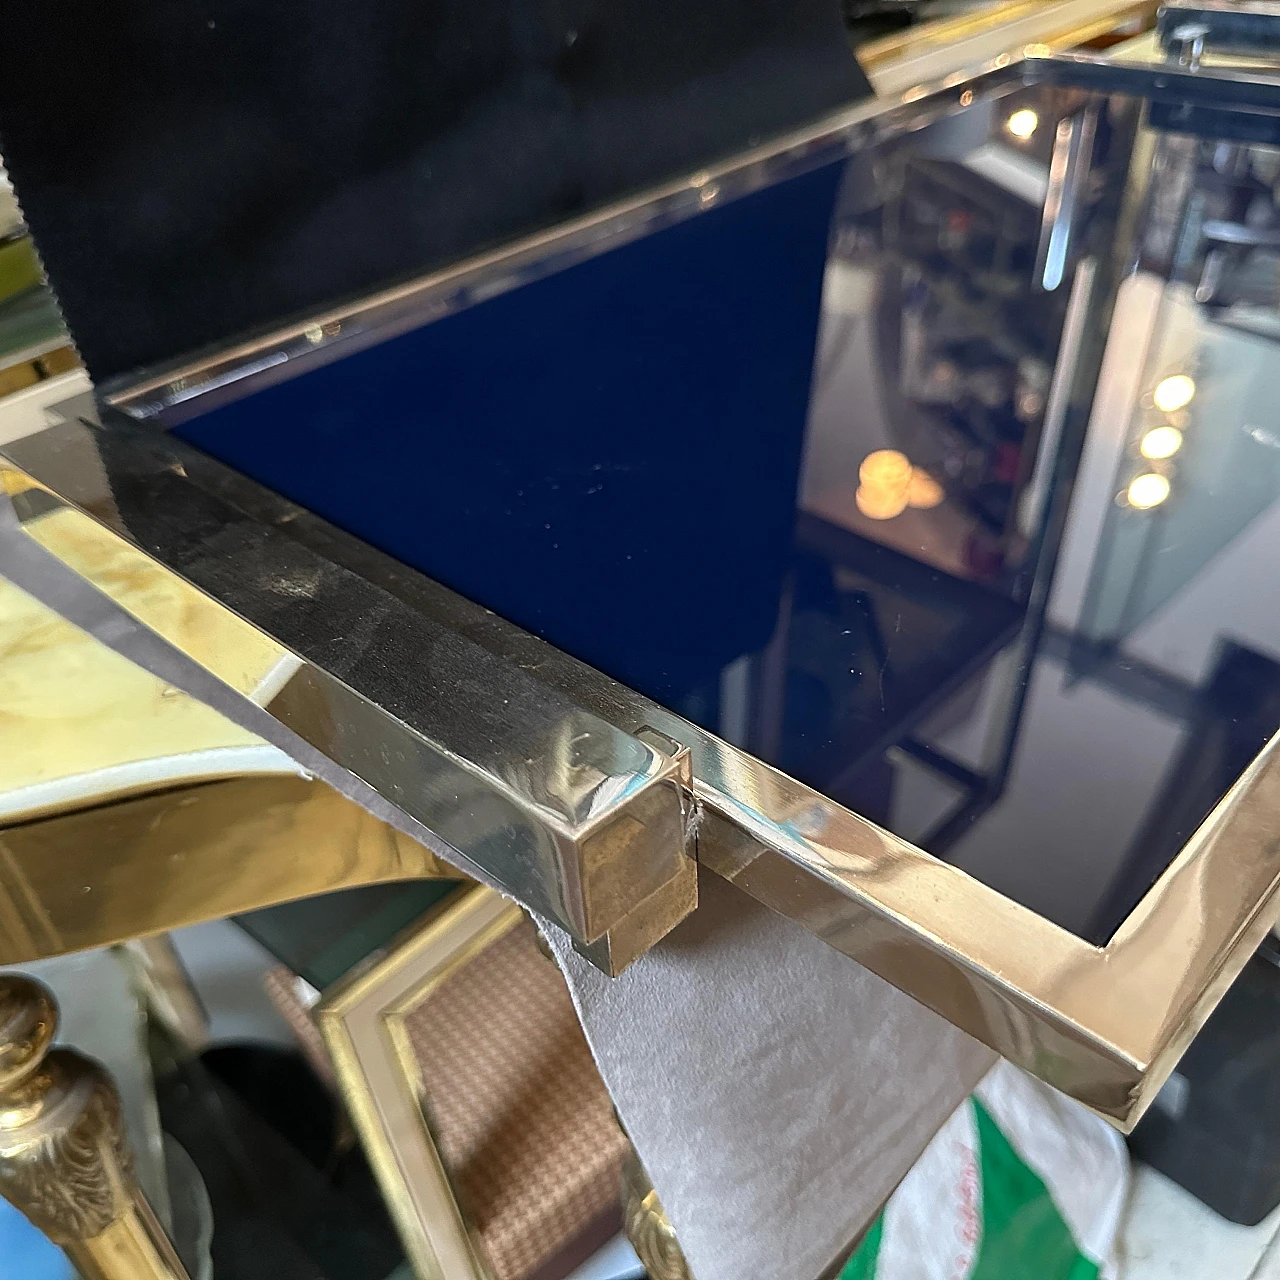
column 194, row 170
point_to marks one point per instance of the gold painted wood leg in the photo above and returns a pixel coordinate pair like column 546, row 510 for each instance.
column 64, row 1157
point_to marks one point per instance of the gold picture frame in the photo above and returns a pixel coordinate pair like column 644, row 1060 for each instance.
column 362, row 1021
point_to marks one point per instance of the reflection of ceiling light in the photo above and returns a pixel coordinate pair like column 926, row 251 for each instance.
column 1022, row 124
column 1174, row 392
column 923, row 492
column 1161, row 442
column 885, row 467
column 1147, row 491
column 890, row 484
column 880, row 504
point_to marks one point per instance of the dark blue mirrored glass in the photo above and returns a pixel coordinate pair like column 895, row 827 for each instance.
column 945, row 478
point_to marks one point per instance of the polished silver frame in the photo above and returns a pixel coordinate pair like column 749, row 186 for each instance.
column 575, row 749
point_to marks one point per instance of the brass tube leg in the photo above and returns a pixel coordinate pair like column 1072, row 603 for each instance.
column 64, row 1158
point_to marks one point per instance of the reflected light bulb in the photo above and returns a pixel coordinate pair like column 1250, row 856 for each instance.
column 1022, row 124
column 924, row 492
column 1161, row 442
column 887, row 468
column 1147, row 491
column 880, row 503
column 1174, row 392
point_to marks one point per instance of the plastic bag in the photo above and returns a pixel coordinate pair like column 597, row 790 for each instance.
column 1020, row 1182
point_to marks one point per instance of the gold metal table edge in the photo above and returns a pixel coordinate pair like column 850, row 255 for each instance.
column 586, row 823
column 1059, row 25
column 1104, row 1024
column 144, row 865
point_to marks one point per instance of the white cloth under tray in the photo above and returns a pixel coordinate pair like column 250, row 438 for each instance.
column 776, row 1091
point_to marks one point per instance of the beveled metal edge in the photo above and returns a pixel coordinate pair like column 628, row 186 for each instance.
column 1223, row 87
column 1104, row 1024
column 171, row 393
column 361, row 1020
column 517, row 783
column 165, row 393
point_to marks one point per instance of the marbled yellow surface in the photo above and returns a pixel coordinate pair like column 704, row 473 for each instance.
column 103, row 837
column 80, row 724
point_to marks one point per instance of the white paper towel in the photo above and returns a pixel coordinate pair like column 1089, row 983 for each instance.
column 776, row 1091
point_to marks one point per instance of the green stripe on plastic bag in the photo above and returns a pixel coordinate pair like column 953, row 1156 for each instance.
column 1023, row 1234
column 1024, row 1237
column 862, row 1266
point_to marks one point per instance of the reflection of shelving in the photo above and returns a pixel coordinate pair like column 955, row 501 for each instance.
column 963, row 248
column 984, row 445
column 946, row 239
column 965, row 215
column 974, row 312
